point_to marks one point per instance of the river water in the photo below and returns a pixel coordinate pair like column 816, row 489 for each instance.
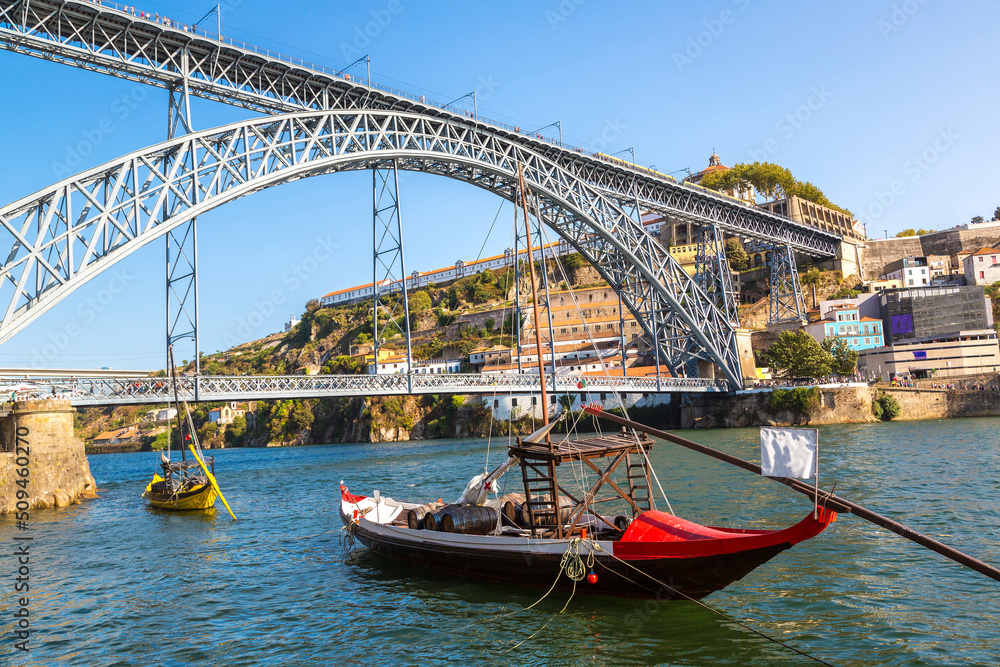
column 116, row 583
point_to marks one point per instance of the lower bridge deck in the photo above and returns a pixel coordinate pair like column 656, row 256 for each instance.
column 99, row 391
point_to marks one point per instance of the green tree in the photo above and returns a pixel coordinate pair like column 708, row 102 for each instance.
column 236, row 430
column 797, row 354
column 905, row 233
column 420, row 303
column 736, row 255
column 845, row 358
column 771, row 181
column 886, row 407
column 976, row 220
column 996, row 213
column 300, row 418
column 811, row 277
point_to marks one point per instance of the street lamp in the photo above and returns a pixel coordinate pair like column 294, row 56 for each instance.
column 558, row 124
column 367, row 60
column 475, row 104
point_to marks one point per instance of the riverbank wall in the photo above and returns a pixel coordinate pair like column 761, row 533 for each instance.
column 944, row 403
column 42, row 459
column 835, row 404
column 843, row 404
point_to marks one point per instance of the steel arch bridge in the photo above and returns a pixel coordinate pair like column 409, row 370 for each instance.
column 99, row 36
column 63, row 236
column 59, row 238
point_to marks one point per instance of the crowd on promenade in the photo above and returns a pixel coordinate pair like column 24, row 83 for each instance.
column 155, row 17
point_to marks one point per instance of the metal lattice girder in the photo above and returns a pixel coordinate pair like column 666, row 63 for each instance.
column 786, row 303
column 390, row 296
column 135, row 391
column 712, row 271
column 64, row 235
column 182, row 253
column 104, row 39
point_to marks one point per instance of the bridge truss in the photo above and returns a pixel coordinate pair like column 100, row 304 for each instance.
column 62, row 237
column 101, row 391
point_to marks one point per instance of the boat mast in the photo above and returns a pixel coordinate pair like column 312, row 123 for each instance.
column 177, row 405
column 534, row 301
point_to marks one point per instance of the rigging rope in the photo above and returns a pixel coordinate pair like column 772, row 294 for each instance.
column 728, row 617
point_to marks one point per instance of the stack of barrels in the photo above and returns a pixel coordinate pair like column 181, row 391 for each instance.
column 516, row 510
column 466, row 519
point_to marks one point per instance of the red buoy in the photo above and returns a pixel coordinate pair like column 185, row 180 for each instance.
column 592, row 577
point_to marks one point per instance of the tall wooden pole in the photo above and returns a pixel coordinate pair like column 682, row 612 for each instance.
column 534, row 299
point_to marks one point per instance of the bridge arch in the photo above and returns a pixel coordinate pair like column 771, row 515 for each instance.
column 61, row 237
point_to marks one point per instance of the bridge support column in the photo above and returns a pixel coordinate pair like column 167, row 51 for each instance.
column 182, row 244
column 390, row 298
column 786, row 303
column 712, row 271
column 58, row 473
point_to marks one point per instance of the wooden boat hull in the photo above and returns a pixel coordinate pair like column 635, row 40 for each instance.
column 653, row 566
column 201, row 497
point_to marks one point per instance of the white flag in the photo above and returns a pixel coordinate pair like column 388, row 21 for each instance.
column 788, row 452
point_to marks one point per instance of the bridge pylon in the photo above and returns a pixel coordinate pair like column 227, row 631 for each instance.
column 712, row 271
column 182, row 243
column 786, row 303
column 390, row 296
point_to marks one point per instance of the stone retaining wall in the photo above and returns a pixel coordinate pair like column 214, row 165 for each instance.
column 942, row 403
column 58, row 472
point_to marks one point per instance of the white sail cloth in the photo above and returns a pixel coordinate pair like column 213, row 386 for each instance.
column 788, row 452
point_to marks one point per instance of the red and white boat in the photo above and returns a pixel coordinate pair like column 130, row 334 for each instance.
column 534, row 538
column 653, row 554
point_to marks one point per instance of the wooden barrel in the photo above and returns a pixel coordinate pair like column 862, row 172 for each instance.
column 432, row 520
column 470, row 520
column 565, row 510
column 510, row 506
column 415, row 517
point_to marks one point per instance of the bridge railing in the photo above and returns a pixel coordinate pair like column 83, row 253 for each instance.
column 130, row 390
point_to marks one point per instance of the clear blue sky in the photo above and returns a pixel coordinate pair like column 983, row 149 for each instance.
column 852, row 96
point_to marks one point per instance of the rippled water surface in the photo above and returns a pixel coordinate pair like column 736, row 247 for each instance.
column 116, row 583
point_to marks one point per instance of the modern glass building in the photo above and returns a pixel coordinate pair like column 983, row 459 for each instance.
column 932, row 311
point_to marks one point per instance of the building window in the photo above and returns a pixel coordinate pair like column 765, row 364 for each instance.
column 496, row 404
column 868, row 341
column 513, row 402
column 981, row 274
column 534, row 400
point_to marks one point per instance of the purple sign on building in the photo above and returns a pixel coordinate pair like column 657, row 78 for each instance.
column 902, row 324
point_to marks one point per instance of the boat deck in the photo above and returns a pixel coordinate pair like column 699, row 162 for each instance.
column 577, row 450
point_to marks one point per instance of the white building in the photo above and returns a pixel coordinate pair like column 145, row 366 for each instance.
column 911, row 271
column 399, row 366
column 461, row 268
column 509, row 406
column 982, row 267
column 161, row 414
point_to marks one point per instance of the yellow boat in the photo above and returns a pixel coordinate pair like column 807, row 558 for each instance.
column 196, row 496
column 184, row 485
